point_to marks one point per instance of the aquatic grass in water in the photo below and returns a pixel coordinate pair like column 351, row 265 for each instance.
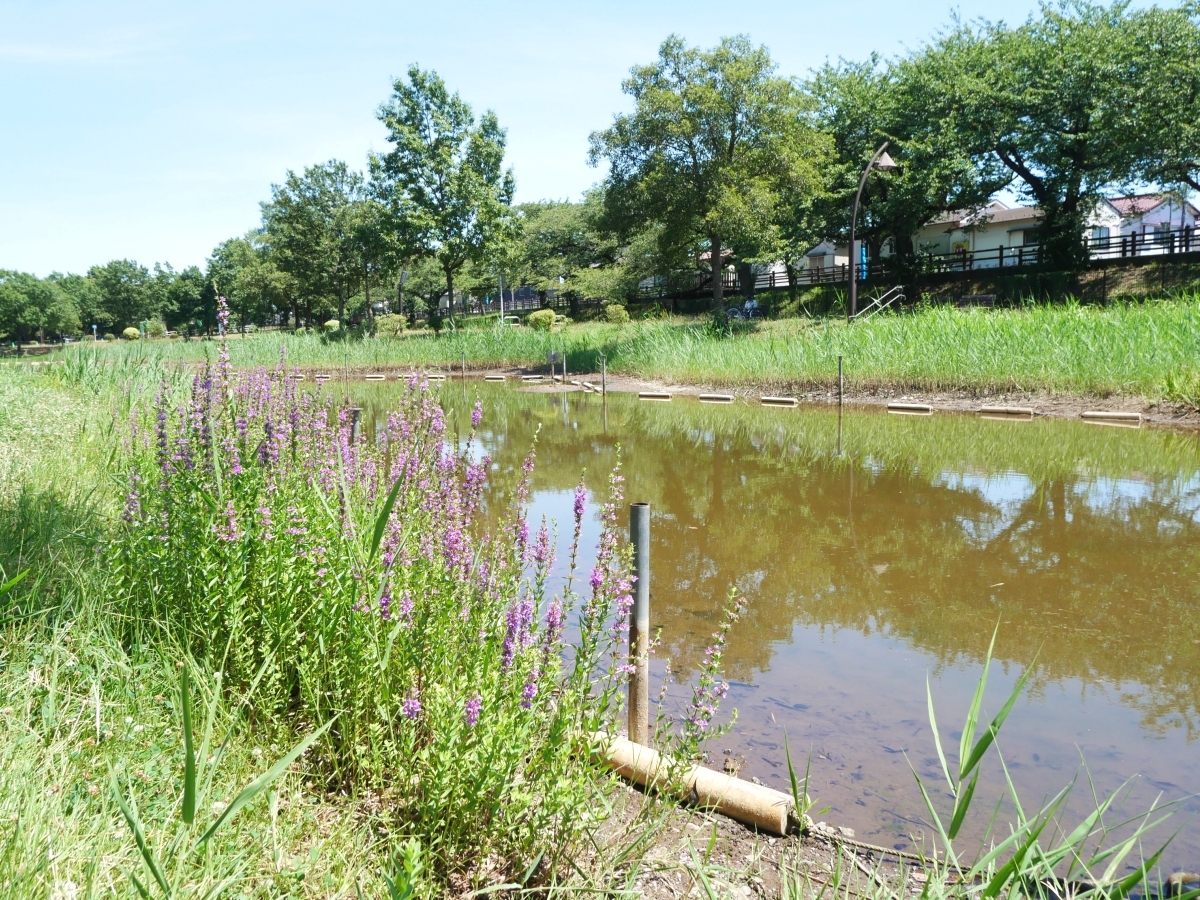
column 351, row 582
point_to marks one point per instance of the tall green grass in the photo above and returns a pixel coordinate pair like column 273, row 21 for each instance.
column 1123, row 348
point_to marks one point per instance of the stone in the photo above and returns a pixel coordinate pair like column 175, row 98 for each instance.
column 1181, row 883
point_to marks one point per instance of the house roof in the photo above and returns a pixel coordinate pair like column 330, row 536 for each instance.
column 993, row 212
column 1134, row 205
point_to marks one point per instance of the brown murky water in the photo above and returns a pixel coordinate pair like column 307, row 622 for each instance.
column 870, row 571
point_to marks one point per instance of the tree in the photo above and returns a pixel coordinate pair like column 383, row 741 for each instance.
column 444, row 175
column 178, row 296
column 309, row 232
column 1057, row 101
column 942, row 166
column 244, row 272
column 717, row 150
column 86, row 297
column 562, row 240
column 124, row 291
column 34, row 308
column 1168, row 65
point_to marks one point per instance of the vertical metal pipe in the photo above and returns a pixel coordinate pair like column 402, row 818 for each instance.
column 840, row 382
column 604, row 375
column 355, row 422
column 639, row 625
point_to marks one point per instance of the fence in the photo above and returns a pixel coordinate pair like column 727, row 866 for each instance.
column 1117, row 247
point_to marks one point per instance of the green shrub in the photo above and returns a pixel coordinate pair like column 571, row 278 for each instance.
column 131, row 334
column 541, row 320
column 616, row 314
column 389, row 325
column 109, row 336
column 156, row 329
column 301, row 330
column 333, row 325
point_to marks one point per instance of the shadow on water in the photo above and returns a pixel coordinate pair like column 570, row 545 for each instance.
column 868, row 570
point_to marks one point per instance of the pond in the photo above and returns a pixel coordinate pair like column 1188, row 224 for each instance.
column 878, row 553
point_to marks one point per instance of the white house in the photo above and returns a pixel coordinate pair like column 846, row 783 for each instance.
column 999, row 235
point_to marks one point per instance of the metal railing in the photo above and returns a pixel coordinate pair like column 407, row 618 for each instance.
column 1129, row 246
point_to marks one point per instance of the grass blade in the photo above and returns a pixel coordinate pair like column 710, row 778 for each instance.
column 990, row 735
column 382, row 519
column 13, row 582
column 937, row 738
column 189, row 751
column 968, row 735
column 961, row 804
column 263, row 781
column 139, row 837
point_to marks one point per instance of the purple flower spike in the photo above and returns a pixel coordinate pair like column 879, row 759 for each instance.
column 477, row 414
column 580, row 502
column 471, row 710
column 412, row 705
column 530, row 690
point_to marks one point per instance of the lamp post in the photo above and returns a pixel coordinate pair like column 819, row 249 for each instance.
column 884, row 163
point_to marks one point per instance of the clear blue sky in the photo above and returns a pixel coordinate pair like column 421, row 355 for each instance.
column 153, row 130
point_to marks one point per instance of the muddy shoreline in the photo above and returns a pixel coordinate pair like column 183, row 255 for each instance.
column 1043, row 403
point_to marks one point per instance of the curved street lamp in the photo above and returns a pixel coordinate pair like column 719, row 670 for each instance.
column 883, row 163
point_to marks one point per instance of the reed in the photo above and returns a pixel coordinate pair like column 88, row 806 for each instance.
column 1123, row 348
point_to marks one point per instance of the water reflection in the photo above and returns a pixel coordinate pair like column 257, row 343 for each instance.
column 875, row 550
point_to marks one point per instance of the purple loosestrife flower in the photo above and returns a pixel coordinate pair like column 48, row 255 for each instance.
column 133, row 499
column 554, row 621
column 543, row 550
column 580, row 503
column 161, row 433
column 405, row 610
column 476, row 414
column 411, row 708
column 385, row 604
column 230, row 530
column 471, row 710
column 529, row 691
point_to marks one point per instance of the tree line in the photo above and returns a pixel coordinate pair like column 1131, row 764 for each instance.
column 721, row 158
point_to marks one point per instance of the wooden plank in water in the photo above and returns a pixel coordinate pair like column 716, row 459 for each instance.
column 1006, row 411
column 778, row 401
column 533, row 377
column 495, row 378
column 1112, row 415
column 716, row 398
column 435, row 376
column 375, row 377
column 653, row 395
column 919, row 409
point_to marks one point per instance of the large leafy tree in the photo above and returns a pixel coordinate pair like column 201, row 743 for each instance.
column 125, row 292
column 31, row 307
column 1167, row 62
column 178, row 296
column 244, row 271
column 942, row 166
column 310, row 231
column 86, row 297
column 1057, row 100
column 561, row 240
column 444, row 177
column 717, row 152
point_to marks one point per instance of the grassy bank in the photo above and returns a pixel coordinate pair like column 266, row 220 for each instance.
column 252, row 657
column 1120, row 349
